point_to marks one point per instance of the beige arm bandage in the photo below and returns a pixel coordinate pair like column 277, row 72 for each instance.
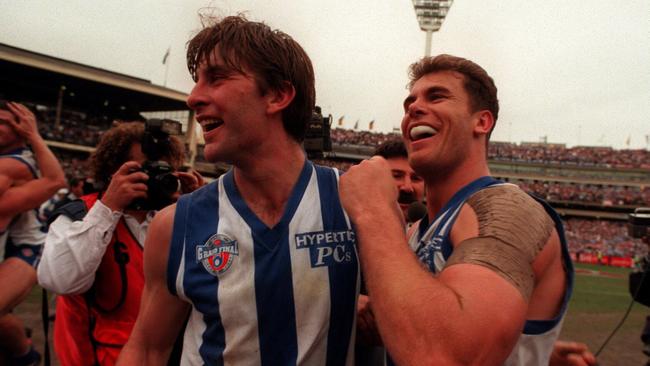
column 513, row 229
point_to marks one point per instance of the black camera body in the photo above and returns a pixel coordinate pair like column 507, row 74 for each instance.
column 639, row 281
column 162, row 184
column 317, row 135
column 639, row 222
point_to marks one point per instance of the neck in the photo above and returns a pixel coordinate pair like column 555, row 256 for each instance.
column 266, row 181
column 443, row 187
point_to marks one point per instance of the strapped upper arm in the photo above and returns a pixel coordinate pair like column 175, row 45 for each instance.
column 512, row 229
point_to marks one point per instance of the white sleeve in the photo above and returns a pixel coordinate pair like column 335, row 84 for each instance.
column 73, row 250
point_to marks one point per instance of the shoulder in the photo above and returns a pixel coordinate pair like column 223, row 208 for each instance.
column 506, row 199
column 507, row 213
column 15, row 168
column 164, row 218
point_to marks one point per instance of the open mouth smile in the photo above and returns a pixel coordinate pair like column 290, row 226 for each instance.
column 422, row 132
column 210, row 124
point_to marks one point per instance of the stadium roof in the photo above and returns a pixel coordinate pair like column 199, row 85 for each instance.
column 27, row 75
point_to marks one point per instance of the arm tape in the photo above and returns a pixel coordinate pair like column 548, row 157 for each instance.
column 513, row 229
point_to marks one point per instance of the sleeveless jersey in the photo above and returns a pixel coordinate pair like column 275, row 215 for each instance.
column 24, row 228
column 266, row 296
column 433, row 247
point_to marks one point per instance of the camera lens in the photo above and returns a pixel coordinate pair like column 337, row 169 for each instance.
column 167, row 183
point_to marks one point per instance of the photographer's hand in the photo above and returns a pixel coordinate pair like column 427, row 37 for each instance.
column 190, row 180
column 127, row 184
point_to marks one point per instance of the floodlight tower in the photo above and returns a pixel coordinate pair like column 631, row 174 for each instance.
column 431, row 14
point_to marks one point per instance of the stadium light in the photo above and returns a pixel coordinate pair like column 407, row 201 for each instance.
column 430, row 15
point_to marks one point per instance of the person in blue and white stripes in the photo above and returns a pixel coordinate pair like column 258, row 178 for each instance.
column 263, row 261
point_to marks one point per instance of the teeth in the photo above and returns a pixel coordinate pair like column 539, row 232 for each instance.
column 420, row 132
column 210, row 124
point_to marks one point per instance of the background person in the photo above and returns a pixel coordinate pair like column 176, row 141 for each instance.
column 22, row 190
column 93, row 250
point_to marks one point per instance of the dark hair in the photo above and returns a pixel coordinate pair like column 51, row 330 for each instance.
column 73, row 181
column 273, row 57
column 477, row 83
column 392, row 149
column 114, row 148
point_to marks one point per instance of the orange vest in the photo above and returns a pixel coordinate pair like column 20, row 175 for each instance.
column 92, row 328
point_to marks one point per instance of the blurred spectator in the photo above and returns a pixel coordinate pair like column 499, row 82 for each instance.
column 21, row 190
column 64, row 196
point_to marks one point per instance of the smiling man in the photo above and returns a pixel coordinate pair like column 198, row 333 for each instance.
column 264, row 258
column 502, row 275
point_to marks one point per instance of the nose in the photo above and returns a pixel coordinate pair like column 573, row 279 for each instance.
column 413, row 111
column 197, row 97
column 415, row 108
column 407, row 185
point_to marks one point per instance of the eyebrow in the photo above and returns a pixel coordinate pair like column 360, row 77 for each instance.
column 211, row 69
column 431, row 90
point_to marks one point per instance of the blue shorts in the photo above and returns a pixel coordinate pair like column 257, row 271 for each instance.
column 30, row 254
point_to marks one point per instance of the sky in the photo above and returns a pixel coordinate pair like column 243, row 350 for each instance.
column 568, row 71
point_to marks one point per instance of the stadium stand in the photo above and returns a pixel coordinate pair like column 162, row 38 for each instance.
column 593, row 187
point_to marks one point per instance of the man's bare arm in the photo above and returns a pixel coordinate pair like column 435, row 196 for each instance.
column 467, row 314
column 25, row 197
column 52, row 175
column 161, row 314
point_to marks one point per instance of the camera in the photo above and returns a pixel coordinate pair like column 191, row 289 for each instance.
column 639, row 281
column 317, row 135
column 162, row 184
column 638, row 222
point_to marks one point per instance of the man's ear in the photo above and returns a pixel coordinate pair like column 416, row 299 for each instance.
column 281, row 98
column 484, row 122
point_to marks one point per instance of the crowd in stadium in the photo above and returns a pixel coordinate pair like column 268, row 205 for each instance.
column 584, row 235
column 530, row 153
column 606, row 195
column 79, row 128
column 74, row 127
column 601, row 236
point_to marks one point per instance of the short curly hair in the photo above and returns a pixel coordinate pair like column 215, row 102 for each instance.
column 114, row 148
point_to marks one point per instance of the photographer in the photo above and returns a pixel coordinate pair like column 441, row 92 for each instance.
column 94, row 259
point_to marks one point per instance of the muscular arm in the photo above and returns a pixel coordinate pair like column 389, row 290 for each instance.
column 467, row 314
column 161, row 314
column 25, row 197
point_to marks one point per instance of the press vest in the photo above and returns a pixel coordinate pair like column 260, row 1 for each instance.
column 92, row 328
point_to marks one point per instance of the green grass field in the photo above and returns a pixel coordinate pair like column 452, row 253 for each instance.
column 599, row 302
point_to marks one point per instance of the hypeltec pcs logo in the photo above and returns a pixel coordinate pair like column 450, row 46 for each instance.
column 217, row 254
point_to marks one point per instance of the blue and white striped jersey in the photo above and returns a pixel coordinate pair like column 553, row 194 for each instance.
column 266, row 296
column 24, row 228
column 432, row 245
